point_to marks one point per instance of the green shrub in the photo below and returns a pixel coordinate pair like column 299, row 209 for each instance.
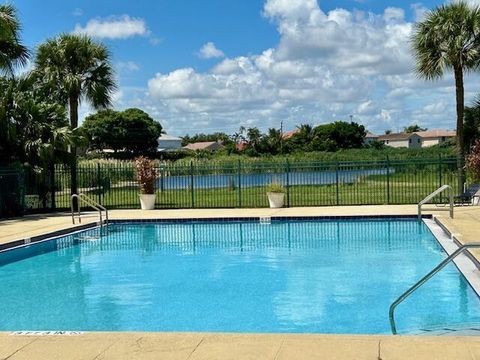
column 275, row 188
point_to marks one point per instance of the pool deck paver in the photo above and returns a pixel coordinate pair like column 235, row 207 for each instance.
column 200, row 346
column 195, row 346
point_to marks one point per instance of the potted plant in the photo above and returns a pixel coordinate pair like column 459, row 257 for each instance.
column 146, row 177
column 276, row 195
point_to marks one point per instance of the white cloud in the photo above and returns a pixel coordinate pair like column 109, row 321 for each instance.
column 210, row 51
column 129, row 66
column 326, row 66
column 419, row 11
column 77, row 12
column 114, row 27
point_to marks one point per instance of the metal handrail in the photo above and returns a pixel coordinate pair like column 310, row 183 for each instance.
column 435, row 193
column 90, row 202
column 423, row 280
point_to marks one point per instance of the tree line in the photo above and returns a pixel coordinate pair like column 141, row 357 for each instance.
column 39, row 108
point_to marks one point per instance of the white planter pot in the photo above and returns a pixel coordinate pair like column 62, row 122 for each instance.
column 276, row 200
column 147, row 201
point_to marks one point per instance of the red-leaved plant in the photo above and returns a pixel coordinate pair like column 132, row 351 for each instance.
column 146, row 174
column 473, row 161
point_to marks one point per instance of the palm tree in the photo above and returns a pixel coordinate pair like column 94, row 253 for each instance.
column 449, row 39
column 12, row 52
column 77, row 69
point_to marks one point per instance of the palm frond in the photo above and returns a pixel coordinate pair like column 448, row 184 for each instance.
column 12, row 52
column 448, row 37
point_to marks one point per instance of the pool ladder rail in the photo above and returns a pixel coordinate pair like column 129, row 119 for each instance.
column 82, row 198
column 424, row 279
column 440, row 190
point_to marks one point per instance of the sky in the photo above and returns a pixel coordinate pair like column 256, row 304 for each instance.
column 216, row 65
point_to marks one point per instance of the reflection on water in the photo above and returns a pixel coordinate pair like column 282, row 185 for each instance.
column 293, row 276
column 238, row 237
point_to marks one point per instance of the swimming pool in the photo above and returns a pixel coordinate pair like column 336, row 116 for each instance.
column 296, row 276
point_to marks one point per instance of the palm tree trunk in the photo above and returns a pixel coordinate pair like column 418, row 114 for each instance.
column 460, row 92
column 73, row 107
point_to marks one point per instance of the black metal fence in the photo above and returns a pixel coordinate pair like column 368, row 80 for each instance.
column 12, row 192
column 230, row 185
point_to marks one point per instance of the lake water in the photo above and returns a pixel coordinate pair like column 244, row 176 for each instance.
column 253, row 180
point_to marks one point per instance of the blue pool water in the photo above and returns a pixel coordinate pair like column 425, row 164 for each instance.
column 292, row 276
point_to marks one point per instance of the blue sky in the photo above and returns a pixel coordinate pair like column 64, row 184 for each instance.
column 202, row 66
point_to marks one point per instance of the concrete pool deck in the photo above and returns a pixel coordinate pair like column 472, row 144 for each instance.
column 203, row 346
column 110, row 345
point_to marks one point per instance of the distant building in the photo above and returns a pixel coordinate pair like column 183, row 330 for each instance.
column 288, row 134
column 205, row 145
column 241, row 145
column 417, row 139
column 369, row 138
column 435, row 136
column 169, row 143
column 402, row 140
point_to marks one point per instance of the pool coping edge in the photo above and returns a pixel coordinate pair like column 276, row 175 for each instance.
column 467, row 264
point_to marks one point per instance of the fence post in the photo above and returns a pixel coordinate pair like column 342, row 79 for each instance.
column 162, row 176
column 440, row 180
column 191, row 184
column 52, row 185
column 388, row 180
column 336, row 184
column 22, row 179
column 99, row 184
column 239, row 180
column 287, row 184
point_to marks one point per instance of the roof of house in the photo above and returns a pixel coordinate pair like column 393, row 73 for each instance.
column 202, row 145
column 288, row 134
column 433, row 133
column 241, row 145
column 168, row 137
column 396, row 136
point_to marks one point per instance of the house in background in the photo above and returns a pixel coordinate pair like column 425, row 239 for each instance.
column 169, row 143
column 369, row 138
column 402, row 140
column 288, row 134
column 419, row 139
column 435, row 136
column 240, row 146
column 205, row 145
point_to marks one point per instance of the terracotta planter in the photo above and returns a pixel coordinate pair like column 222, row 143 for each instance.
column 147, row 201
column 276, row 199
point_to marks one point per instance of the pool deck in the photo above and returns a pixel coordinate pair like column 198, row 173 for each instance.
column 109, row 345
column 196, row 346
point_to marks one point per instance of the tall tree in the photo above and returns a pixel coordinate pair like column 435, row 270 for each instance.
column 12, row 52
column 34, row 130
column 449, row 39
column 77, row 69
column 413, row 128
column 132, row 130
column 302, row 139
